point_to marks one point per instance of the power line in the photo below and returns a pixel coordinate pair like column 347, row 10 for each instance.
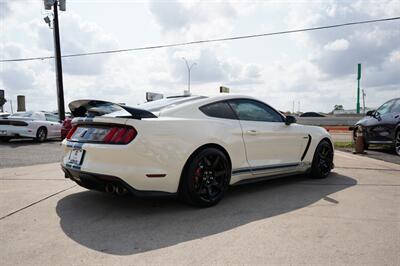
column 203, row 41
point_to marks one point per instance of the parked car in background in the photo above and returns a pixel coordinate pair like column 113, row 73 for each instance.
column 37, row 125
column 381, row 126
column 191, row 146
column 311, row 114
column 66, row 127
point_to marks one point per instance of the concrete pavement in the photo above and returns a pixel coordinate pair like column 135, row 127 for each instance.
column 352, row 217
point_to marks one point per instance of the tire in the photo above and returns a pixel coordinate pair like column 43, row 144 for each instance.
column 205, row 178
column 41, row 134
column 397, row 142
column 322, row 163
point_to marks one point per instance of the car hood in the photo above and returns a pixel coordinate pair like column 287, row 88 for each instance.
column 367, row 121
column 91, row 108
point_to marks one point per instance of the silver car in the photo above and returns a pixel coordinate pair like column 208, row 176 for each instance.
column 37, row 125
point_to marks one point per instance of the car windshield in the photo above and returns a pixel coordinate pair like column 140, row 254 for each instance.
column 385, row 108
column 396, row 106
column 24, row 114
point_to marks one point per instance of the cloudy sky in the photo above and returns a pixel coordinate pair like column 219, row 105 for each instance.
column 316, row 69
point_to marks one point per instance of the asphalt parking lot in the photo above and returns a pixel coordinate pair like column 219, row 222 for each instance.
column 353, row 217
column 28, row 152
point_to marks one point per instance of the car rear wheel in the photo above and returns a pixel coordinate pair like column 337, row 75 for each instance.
column 323, row 160
column 41, row 134
column 397, row 143
column 205, row 178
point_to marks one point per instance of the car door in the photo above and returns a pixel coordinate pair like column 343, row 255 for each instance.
column 269, row 142
column 53, row 125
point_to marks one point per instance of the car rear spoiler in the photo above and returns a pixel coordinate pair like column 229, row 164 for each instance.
column 91, row 108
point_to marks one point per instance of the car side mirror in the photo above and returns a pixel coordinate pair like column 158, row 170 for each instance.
column 290, row 120
column 370, row 113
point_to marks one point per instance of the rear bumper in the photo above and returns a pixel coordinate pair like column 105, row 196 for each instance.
column 98, row 182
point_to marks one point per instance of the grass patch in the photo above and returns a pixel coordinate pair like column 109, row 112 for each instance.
column 343, row 144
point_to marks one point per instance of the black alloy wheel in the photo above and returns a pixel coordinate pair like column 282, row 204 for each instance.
column 41, row 134
column 397, row 142
column 205, row 178
column 323, row 160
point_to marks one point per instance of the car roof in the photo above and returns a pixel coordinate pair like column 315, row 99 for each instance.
column 186, row 109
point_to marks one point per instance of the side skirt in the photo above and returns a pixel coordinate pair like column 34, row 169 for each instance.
column 262, row 173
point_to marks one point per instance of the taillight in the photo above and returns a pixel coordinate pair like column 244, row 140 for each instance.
column 120, row 135
column 71, row 132
column 102, row 134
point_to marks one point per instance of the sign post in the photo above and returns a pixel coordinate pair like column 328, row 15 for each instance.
column 358, row 88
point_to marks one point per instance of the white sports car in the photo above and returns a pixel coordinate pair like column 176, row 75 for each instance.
column 191, row 146
column 37, row 125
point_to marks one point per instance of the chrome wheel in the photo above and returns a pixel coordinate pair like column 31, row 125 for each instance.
column 41, row 134
column 397, row 143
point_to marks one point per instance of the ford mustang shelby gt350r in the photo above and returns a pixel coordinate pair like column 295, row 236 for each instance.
column 193, row 146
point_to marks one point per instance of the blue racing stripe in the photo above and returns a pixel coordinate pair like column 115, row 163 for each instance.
column 262, row 168
column 73, row 166
column 74, row 145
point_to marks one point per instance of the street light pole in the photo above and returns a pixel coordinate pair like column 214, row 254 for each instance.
column 189, row 68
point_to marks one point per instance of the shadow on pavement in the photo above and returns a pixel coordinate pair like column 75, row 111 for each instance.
column 14, row 143
column 124, row 226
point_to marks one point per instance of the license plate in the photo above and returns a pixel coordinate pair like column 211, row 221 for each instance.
column 76, row 156
column 3, row 132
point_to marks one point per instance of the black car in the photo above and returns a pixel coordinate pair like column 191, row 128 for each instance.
column 382, row 126
column 311, row 114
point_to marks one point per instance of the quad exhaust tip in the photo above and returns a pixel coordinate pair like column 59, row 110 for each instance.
column 110, row 188
column 119, row 190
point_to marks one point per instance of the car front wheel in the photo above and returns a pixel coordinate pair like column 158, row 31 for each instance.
column 323, row 160
column 397, row 143
column 206, row 178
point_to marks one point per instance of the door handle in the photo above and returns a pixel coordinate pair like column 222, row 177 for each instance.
column 252, row 132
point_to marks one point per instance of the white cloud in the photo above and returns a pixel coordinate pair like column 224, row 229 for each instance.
column 337, row 45
column 320, row 75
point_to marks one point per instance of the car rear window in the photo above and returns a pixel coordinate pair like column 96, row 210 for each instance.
column 219, row 110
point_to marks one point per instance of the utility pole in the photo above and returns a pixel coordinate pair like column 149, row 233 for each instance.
column 358, row 88
column 363, row 94
column 189, row 68
column 57, row 53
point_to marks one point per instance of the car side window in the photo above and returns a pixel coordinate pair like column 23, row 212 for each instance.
column 254, row 111
column 396, row 107
column 51, row 118
column 385, row 108
column 219, row 110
